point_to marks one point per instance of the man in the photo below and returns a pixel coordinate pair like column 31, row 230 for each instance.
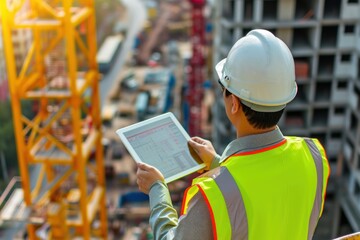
column 264, row 185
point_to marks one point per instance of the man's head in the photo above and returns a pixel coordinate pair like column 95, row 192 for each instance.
column 259, row 120
column 259, row 70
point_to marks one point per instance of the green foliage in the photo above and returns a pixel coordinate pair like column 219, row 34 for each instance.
column 7, row 136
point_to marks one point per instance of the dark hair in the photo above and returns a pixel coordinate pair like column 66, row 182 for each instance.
column 227, row 93
column 259, row 120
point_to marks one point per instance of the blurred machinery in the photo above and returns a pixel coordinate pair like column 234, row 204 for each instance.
column 61, row 143
column 153, row 38
column 195, row 90
column 166, row 20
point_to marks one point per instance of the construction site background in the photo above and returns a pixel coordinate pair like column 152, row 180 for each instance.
column 151, row 75
column 149, row 81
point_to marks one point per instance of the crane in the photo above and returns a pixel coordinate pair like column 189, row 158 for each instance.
column 197, row 62
column 68, row 191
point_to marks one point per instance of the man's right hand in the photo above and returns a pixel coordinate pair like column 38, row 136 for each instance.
column 204, row 149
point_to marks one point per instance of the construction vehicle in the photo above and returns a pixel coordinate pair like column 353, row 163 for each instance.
column 108, row 51
column 65, row 196
column 161, row 96
column 108, row 112
column 157, row 30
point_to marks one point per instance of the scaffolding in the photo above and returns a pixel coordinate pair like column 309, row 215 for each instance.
column 62, row 140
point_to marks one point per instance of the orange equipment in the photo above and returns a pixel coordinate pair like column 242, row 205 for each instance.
column 61, row 136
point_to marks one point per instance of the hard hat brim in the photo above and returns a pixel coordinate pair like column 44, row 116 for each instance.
column 219, row 68
column 260, row 108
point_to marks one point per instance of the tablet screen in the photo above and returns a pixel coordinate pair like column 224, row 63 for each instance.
column 162, row 143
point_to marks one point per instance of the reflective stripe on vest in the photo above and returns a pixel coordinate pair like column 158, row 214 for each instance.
column 203, row 185
column 237, row 208
column 317, row 207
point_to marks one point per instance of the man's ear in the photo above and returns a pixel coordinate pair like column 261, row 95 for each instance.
column 235, row 104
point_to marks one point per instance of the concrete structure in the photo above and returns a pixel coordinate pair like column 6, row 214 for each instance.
column 324, row 37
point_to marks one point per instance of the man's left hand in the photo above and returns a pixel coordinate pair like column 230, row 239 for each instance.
column 146, row 176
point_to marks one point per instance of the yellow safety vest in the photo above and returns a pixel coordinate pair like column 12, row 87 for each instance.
column 276, row 192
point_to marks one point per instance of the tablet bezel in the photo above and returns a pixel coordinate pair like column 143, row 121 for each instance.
column 121, row 133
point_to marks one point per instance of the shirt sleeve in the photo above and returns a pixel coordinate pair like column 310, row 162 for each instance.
column 216, row 162
column 164, row 220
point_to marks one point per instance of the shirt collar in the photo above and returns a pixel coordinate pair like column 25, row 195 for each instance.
column 252, row 142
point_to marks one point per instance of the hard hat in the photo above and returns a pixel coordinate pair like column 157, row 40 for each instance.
column 259, row 69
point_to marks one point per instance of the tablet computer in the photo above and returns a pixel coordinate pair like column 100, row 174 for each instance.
column 162, row 142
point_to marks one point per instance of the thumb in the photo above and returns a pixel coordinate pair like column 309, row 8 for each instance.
column 143, row 166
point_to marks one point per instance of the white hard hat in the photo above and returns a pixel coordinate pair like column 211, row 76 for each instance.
column 259, row 69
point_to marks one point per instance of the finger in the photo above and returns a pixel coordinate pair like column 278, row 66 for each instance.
column 144, row 166
column 198, row 140
column 195, row 144
column 142, row 175
column 140, row 172
column 192, row 146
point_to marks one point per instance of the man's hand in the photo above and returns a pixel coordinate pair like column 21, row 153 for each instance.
column 204, row 149
column 146, row 176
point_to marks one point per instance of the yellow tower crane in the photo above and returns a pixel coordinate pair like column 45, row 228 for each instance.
column 63, row 139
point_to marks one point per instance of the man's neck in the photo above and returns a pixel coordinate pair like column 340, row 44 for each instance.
column 246, row 131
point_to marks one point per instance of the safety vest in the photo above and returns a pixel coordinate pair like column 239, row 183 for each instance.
column 276, row 192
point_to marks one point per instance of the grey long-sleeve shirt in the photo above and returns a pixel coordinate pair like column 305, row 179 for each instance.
column 164, row 219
